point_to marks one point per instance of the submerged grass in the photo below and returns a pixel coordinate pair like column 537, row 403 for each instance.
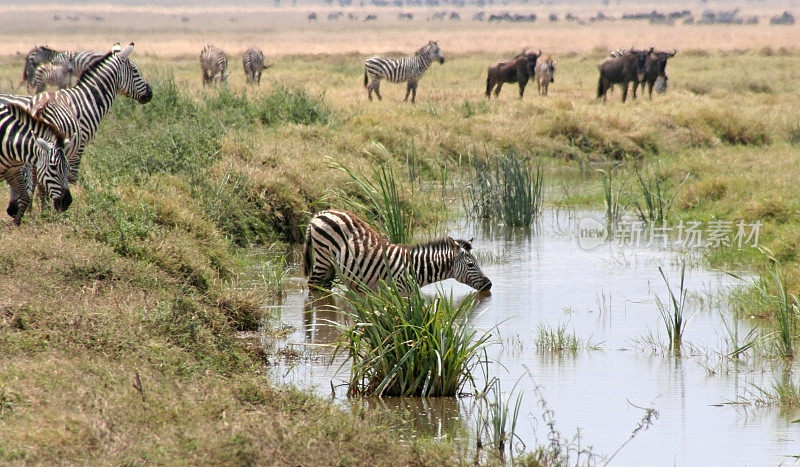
column 672, row 312
column 405, row 344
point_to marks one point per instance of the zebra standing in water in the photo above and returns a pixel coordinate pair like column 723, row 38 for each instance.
column 253, row 62
column 53, row 75
column 213, row 64
column 27, row 142
column 397, row 70
column 89, row 100
column 338, row 240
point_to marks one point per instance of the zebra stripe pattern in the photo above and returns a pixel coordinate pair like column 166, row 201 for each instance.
column 27, row 142
column 213, row 64
column 340, row 241
column 35, row 57
column 253, row 63
column 89, row 101
column 397, row 70
column 49, row 74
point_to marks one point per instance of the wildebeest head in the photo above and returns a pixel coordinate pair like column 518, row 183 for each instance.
column 660, row 59
column 531, row 57
column 641, row 59
column 433, row 51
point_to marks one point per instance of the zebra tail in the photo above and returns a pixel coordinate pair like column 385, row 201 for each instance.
column 308, row 255
column 366, row 80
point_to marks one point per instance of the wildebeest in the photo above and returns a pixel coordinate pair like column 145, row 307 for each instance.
column 545, row 74
column 622, row 70
column 655, row 66
column 518, row 70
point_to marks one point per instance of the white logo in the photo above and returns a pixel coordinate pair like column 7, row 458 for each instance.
column 591, row 233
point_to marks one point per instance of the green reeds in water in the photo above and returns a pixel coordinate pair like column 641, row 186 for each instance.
column 385, row 203
column 405, row 344
column 673, row 311
column 507, row 187
column 496, row 423
column 655, row 201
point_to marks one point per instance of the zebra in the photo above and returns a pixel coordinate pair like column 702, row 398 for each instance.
column 545, row 74
column 397, row 70
column 28, row 142
column 253, row 63
column 89, row 100
column 213, row 63
column 53, row 75
column 35, row 57
column 340, row 241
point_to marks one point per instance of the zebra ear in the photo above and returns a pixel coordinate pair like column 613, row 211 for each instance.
column 46, row 146
column 126, row 51
column 116, row 47
column 452, row 242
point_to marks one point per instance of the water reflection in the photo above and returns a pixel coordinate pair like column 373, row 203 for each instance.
column 604, row 295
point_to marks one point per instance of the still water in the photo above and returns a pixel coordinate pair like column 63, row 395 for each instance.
column 606, row 295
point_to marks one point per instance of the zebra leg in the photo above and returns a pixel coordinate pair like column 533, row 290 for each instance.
column 414, row 94
column 408, row 91
column 377, row 88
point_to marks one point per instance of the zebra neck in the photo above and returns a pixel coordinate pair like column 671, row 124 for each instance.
column 93, row 96
column 424, row 61
column 431, row 262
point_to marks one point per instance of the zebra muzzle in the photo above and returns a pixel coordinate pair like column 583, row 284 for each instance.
column 62, row 203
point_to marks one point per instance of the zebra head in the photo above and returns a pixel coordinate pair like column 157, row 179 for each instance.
column 129, row 82
column 433, row 51
column 53, row 171
column 465, row 269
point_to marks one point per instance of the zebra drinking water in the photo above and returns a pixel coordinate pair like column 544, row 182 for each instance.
column 27, row 142
column 253, row 62
column 340, row 241
column 89, row 101
column 213, row 64
column 398, row 70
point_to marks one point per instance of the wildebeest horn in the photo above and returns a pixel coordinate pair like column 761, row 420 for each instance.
column 524, row 50
column 673, row 53
column 540, row 52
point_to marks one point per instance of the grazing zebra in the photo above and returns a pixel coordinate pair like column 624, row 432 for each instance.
column 89, row 100
column 26, row 142
column 338, row 240
column 397, row 70
column 213, row 63
column 253, row 62
column 53, row 75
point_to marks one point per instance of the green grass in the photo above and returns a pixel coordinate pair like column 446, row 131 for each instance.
column 673, row 311
column 405, row 344
column 505, row 187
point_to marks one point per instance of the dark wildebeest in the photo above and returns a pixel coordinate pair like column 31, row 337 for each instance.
column 518, row 70
column 655, row 66
column 622, row 70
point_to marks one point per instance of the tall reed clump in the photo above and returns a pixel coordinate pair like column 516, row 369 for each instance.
column 673, row 312
column 612, row 195
column 385, row 203
column 507, row 187
column 405, row 344
column 655, row 201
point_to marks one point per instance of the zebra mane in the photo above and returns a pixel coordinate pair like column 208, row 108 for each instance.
column 23, row 113
column 424, row 49
column 440, row 242
column 93, row 65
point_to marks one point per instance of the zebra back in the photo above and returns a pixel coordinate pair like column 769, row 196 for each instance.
column 213, row 64
column 35, row 57
column 338, row 242
column 53, row 75
column 406, row 68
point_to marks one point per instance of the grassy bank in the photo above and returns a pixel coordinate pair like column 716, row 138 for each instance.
column 138, row 277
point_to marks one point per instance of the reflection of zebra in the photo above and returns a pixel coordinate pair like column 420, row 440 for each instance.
column 27, row 142
column 398, row 70
column 90, row 99
column 49, row 74
column 253, row 62
column 338, row 240
column 213, row 63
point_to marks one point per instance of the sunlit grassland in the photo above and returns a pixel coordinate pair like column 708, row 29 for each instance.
column 136, row 276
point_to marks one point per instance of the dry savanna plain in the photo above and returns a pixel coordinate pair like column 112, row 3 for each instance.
column 120, row 319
